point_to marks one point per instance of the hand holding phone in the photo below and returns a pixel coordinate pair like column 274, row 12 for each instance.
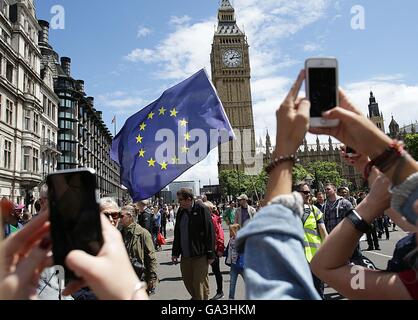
column 74, row 215
column 322, row 89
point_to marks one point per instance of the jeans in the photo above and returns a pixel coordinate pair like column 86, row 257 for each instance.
column 319, row 286
column 233, row 273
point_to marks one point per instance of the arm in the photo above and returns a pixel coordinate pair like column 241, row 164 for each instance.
column 275, row 235
column 221, row 240
column 175, row 251
column 330, row 263
column 322, row 231
column 210, row 233
column 150, row 262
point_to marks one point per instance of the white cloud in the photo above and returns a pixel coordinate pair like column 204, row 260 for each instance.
column 143, row 55
column 174, row 20
column 121, row 103
column 394, row 98
column 310, row 47
column 143, row 32
column 187, row 49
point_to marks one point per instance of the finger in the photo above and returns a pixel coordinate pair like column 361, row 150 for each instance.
column 340, row 113
column 304, row 108
column 73, row 286
column 31, row 232
column 294, row 91
column 416, row 207
column 109, row 231
column 81, row 263
column 323, row 130
column 346, row 104
column 28, row 265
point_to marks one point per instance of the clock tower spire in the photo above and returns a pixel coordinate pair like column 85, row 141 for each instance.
column 231, row 76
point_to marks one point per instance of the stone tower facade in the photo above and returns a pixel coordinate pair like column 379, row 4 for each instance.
column 231, row 75
column 374, row 115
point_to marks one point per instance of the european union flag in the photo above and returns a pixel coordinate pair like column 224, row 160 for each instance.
column 169, row 136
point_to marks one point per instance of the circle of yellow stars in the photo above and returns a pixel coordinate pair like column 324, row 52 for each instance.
column 142, row 127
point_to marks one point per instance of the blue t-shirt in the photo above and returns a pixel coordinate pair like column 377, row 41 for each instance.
column 244, row 215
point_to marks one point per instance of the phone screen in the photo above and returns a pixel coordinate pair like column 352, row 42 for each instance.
column 322, row 90
column 74, row 215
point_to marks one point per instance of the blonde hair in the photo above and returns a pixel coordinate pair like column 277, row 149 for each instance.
column 233, row 228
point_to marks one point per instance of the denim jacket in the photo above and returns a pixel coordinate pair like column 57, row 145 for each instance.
column 275, row 263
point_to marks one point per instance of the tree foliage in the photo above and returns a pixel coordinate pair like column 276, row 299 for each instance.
column 411, row 144
column 236, row 182
column 327, row 172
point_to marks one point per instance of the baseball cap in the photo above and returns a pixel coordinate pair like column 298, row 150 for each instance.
column 243, row 197
column 19, row 206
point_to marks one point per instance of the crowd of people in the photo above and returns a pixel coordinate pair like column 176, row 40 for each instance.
column 285, row 247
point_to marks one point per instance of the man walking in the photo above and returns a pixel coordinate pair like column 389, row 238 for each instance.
column 244, row 212
column 140, row 248
column 335, row 208
column 315, row 232
column 194, row 241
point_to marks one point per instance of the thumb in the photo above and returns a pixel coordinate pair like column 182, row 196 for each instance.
column 81, row 263
column 304, row 107
column 339, row 113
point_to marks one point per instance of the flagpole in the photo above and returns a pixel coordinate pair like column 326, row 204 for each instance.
column 114, row 126
column 118, row 186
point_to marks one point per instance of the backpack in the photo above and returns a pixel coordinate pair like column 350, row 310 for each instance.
column 405, row 256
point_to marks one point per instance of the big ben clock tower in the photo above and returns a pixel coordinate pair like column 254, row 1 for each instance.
column 231, row 75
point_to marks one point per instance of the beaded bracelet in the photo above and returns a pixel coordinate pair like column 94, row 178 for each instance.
column 291, row 157
column 384, row 161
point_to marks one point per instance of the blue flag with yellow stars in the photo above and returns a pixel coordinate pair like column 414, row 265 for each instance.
column 169, row 136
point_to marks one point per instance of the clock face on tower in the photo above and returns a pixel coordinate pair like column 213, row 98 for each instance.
column 232, row 58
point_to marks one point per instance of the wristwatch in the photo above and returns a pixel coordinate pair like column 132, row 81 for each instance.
column 358, row 221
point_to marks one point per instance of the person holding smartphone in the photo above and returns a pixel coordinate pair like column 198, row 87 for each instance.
column 275, row 235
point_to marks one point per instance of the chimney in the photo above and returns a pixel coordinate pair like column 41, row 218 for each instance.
column 44, row 33
column 80, row 85
column 66, row 65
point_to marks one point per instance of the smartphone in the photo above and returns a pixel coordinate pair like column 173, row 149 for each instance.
column 74, row 215
column 322, row 89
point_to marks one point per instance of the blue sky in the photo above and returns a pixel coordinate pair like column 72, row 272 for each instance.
column 128, row 52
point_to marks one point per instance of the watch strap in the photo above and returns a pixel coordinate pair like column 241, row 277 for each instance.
column 358, row 221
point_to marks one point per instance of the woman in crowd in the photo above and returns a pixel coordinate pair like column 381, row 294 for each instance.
column 275, row 235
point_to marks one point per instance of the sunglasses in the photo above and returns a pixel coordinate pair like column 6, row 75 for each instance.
column 115, row 215
column 305, row 192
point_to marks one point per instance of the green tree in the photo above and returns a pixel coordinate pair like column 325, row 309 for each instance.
column 327, row 172
column 411, row 144
column 299, row 173
column 236, row 182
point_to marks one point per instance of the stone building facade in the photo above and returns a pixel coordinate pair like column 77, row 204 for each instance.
column 22, row 109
